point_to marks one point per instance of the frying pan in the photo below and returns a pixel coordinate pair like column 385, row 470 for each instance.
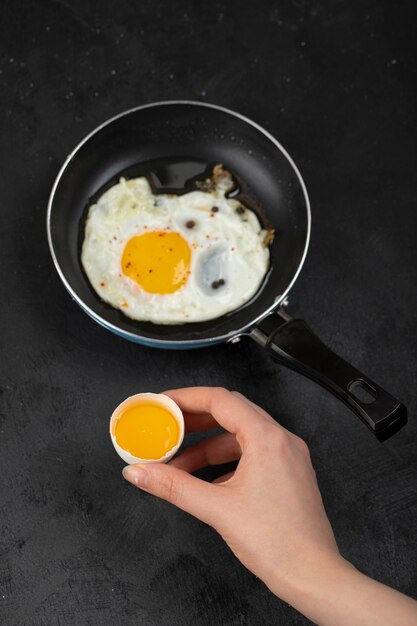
column 198, row 133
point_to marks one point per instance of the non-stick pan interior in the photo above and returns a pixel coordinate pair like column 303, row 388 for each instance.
column 181, row 130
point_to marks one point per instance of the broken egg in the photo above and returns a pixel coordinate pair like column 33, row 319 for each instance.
column 147, row 428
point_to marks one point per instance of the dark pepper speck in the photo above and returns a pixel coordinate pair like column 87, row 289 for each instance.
column 240, row 210
column 214, row 209
column 218, row 283
column 190, row 224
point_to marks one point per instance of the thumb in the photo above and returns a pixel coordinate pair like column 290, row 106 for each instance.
column 176, row 486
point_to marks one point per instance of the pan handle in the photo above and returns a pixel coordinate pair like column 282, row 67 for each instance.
column 293, row 344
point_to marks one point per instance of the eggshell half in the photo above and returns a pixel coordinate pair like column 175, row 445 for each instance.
column 155, row 398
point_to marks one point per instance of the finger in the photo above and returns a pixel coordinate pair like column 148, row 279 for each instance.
column 256, row 407
column 187, row 492
column 228, row 409
column 262, row 412
column 213, row 451
column 199, row 422
column 223, row 479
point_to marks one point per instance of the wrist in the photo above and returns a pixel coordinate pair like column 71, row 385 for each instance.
column 330, row 591
column 315, row 587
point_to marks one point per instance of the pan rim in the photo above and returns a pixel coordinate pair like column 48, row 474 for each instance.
column 136, row 337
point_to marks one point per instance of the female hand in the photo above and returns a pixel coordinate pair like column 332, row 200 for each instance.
column 269, row 511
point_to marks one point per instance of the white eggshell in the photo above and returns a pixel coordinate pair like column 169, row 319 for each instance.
column 155, row 398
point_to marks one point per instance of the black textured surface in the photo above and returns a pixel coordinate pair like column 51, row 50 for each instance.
column 335, row 82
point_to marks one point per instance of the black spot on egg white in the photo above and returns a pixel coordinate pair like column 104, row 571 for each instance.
column 218, row 283
column 190, row 224
column 240, row 210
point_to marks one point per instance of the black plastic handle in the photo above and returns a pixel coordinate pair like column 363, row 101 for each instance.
column 293, row 344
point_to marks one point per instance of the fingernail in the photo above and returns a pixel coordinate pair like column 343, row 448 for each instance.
column 136, row 475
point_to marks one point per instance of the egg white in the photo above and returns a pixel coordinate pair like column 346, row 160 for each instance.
column 224, row 245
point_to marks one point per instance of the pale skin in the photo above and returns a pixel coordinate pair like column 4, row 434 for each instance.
column 284, row 537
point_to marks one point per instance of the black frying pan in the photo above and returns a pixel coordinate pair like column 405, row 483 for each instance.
column 195, row 136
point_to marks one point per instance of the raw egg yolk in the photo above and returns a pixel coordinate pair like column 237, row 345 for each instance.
column 158, row 261
column 147, row 431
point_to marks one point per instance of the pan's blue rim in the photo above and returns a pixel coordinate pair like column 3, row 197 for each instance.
column 136, row 338
column 143, row 341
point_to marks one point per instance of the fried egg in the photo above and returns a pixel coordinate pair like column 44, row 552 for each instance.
column 172, row 259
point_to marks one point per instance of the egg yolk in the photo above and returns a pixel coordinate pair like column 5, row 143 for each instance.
column 158, row 261
column 147, row 431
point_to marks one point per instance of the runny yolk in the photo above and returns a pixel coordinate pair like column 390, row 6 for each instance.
column 158, row 261
column 147, row 431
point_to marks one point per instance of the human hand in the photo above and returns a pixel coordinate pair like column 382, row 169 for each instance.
column 269, row 511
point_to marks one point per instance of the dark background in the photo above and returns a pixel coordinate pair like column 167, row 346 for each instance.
column 334, row 81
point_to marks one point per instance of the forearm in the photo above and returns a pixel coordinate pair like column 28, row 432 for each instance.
column 336, row 594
